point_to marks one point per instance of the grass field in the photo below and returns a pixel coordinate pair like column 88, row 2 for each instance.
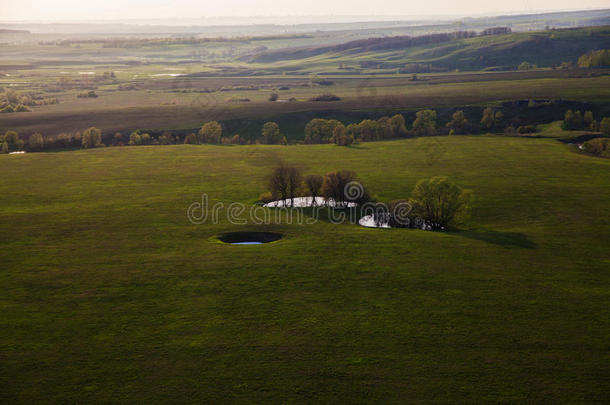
column 111, row 295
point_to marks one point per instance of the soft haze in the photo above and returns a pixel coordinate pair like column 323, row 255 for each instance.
column 139, row 9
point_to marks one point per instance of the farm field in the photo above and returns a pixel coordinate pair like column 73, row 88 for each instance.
column 164, row 105
column 111, row 295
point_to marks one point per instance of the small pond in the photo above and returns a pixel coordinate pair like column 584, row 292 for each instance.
column 249, row 238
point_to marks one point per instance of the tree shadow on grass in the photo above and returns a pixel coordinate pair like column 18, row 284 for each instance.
column 516, row 239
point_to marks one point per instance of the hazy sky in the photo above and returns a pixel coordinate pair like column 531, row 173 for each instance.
column 127, row 9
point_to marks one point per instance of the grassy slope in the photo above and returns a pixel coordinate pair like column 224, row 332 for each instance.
column 545, row 48
column 109, row 294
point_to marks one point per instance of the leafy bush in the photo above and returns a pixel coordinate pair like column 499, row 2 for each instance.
column 597, row 147
column 325, row 97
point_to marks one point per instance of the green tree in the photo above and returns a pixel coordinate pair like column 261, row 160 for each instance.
column 488, row 119
column 398, row 126
column 273, row 97
column 588, row 119
column 440, row 202
column 36, row 142
column 572, row 120
column 599, row 58
column 526, row 66
column 367, row 130
column 604, row 126
column 459, row 124
column 92, row 138
column 191, row 139
column 271, row 133
column 425, row 123
column 12, row 142
column 210, row 132
column 319, row 130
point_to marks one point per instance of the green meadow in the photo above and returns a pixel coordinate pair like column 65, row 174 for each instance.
column 111, row 295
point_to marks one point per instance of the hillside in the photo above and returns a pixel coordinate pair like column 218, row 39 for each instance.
column 463, row 50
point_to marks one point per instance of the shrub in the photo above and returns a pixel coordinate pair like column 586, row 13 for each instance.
column 191, row 139
column 166, row 139
column 273, row 97
column 597, row 147
column 88, row 94
column 238, row 140
column 117, row 139
column 325, row 97
column 527, row 129
column 266, row 197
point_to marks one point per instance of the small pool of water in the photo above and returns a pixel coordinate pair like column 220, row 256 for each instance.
column 247, row 243
column 249, row 238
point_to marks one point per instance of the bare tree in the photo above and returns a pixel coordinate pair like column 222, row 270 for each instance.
column 295, row 179
column 314, row 182
column 278, row 182
column 285, row 182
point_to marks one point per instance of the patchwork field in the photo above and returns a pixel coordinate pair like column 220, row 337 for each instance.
column 111, row 295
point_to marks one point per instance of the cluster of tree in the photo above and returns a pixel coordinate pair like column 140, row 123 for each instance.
column 11, row 142
column 87, row 94
column 598, row 146
column 599, row 58
column 11, row 101
column 496, row 31
column 321, row 130
column 576, row 120
column 436, row 203
column 526, row 66
column 341, row 187
column 325, row 97
column 491, row 119
column 314, row 79
column 210, row 132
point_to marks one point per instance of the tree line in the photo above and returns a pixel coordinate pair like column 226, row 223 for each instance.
column 317, row 131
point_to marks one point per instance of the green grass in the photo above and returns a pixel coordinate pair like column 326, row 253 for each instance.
column 111, row 295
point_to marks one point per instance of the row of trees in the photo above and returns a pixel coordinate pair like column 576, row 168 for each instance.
column 287, row 182
column 599, row 58
column 437, row 201
column 317, row 130
column 576, row 120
